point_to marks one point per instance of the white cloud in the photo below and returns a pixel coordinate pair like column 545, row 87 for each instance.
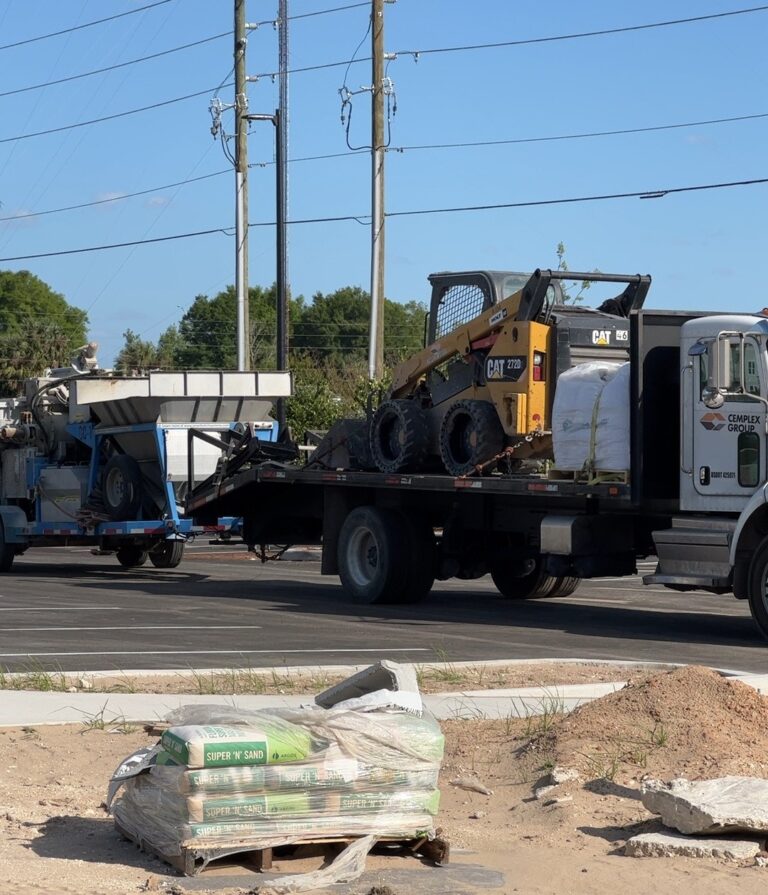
column 158, row 202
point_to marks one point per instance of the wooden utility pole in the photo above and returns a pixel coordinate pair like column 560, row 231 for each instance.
column 281, row 140
column 376, row 338
column 241, row 191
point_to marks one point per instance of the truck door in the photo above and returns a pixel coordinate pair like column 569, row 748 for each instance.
column 729, row 440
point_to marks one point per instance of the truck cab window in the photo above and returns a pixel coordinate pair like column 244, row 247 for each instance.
column 751, row 384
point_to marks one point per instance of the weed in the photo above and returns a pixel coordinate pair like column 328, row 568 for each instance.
column 124, row 684
column 446, row 672
column 659, row 735
column 35, row 676
column 100, row 721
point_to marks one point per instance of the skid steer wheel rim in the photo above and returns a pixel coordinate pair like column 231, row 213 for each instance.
column 117, row 487
column 363, row 556
column 391, row 436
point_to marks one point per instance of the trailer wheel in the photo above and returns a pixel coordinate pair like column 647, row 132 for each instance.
column 131, row 557
column 374, row 555
column 757, row 587
column 168, row 555
column 122, row 487
column 399, row 437
column 565, row 587
column 7, row 551
column 470, row 434
column 526, row 581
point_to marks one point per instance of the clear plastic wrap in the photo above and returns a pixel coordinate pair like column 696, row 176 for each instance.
column 357, row 773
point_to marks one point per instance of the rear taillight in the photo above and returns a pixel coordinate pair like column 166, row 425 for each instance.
column 539, row 366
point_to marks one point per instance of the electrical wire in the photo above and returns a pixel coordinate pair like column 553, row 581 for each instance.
column 638, row 194
column 154, row 189
column 528, row 41
column 309, row 15
column 579, row 136
column 68, row 127
column 100, row 71
column 120, row 15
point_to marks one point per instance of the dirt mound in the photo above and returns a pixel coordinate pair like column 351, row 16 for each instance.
column 688, row 722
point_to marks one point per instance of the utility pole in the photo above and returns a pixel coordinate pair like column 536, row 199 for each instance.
column 376, row 336
column 281, row 142
column 241, row 191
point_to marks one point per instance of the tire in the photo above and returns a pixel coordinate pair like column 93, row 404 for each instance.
column 122, row 489
column 565, row 587
column 533, row 584
column 399, row 437
column 757, row 587
column 423, row 558
column 470, row 434
column 7, row 551
column 131, row 557
column 168, row 555
column 375, row 556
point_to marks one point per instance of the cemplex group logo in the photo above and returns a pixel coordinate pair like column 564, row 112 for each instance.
column 713, row 421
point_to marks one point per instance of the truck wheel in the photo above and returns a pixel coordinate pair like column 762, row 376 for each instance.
column 399, row 437
column 168, row 555
column 528, row 581
column 565, row 587
column 122, row 487
column 131, row 557
column 7, row 551
column 757, row 587
column 423, row 558
column 374, row 555
column 470, row 434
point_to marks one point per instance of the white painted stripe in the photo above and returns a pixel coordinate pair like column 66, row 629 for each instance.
column 147, row 628
column 58, row 608
column 215, row 652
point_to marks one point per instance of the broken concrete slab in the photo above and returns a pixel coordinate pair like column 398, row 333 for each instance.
column 722, row 805
column 561, row 774
column 671, row 844
column 384, row 675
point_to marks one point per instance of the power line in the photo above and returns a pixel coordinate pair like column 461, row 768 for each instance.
column 100, row 71
column 68, row 127
column 120, row 15
column 154, row 189
column 579, row 136
column 638, row 194
column 308, row 15
column 528, row 41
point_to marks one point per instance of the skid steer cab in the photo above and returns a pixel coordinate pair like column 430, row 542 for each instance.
column 478, row 398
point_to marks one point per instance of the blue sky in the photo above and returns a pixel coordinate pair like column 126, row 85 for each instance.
column 701, row 248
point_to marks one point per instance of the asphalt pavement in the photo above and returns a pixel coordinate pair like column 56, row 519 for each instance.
column 67, row 609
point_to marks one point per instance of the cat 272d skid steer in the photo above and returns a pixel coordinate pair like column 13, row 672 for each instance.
column 479, row 396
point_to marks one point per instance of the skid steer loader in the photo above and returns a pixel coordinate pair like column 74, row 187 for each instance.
column 479, row 396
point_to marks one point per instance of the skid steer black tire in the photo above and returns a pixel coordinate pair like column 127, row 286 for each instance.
column 122, row 488
column 399, row 437
column 534, row 584
column 565, row 587
column 470, row 435
column 131, row 557
column 168, row 555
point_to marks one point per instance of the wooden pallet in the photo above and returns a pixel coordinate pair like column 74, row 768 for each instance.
column 590, row 476
column 193, row 860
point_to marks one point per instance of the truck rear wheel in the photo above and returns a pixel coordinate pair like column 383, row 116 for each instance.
column 565, row 587
column 399, row 437
column 383, row 557
column 7, row 551
column 523, row 581
column 131, row 557
column 757, row 587
column 470, row 435
column 168, row 555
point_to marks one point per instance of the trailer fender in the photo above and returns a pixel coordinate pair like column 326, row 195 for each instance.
column 14, row 522
column 750, row 530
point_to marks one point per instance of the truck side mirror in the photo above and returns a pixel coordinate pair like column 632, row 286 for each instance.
column 713, row 397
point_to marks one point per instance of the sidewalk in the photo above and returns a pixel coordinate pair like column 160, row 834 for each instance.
column 29, row 708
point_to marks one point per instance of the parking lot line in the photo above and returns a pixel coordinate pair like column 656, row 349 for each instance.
column 147, row 628
column 53, row 608
column 214, row 652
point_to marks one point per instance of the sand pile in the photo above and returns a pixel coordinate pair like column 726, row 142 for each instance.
column 688, row 722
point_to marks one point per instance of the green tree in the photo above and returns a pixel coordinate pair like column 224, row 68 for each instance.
column 571, row 297
column 334, row 328
column 38, row 328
